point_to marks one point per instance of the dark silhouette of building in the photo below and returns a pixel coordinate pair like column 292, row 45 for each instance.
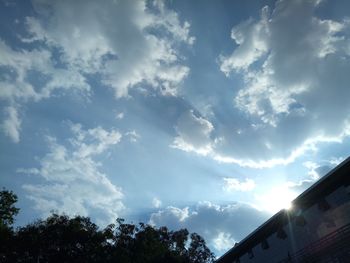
column 315, row 229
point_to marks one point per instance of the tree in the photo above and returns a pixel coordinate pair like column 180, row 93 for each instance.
column 61, row 239
column 198, row 251
column 7, row 209
column 148, row 244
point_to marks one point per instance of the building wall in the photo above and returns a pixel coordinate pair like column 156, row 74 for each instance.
column 318, row 225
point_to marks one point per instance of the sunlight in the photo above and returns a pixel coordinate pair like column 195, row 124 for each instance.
column 288, row 206
column 277, row 198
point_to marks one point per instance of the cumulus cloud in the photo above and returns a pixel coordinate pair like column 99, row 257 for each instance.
column 250, row 36
column 73, row 182
column 220, row 225
column 193, row 133
column 117, row 40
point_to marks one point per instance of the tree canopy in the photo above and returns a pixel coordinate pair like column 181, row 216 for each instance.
column 8, row 211
column 60, row 238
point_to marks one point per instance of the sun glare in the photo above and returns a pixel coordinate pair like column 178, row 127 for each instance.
column 277, row 198
column 288, row 206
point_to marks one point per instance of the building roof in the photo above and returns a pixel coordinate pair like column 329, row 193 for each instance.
column 327, row 184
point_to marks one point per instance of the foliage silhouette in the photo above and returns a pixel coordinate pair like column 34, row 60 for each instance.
column 60, row 238
column 7, row 209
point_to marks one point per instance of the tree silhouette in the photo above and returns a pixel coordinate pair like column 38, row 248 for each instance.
column 7, row 209
column 60, row 238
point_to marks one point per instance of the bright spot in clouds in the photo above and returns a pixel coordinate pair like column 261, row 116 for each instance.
column 277, row 198
column 223, row 241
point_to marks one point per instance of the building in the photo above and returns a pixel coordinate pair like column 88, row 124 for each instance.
column 315, row 229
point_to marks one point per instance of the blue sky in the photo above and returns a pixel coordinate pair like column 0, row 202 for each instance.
column 210, row 115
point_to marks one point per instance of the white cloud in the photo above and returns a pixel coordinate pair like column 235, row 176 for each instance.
column 193, row 134
column 12, row 124
column 98, row 138
column 307, row 146
column 250, row 36
column 233, row 184
column 170, row 20
column 116, row 40
column 223, row 241
column 73, row 182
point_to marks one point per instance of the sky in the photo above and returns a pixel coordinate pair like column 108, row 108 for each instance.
column 209, row 115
